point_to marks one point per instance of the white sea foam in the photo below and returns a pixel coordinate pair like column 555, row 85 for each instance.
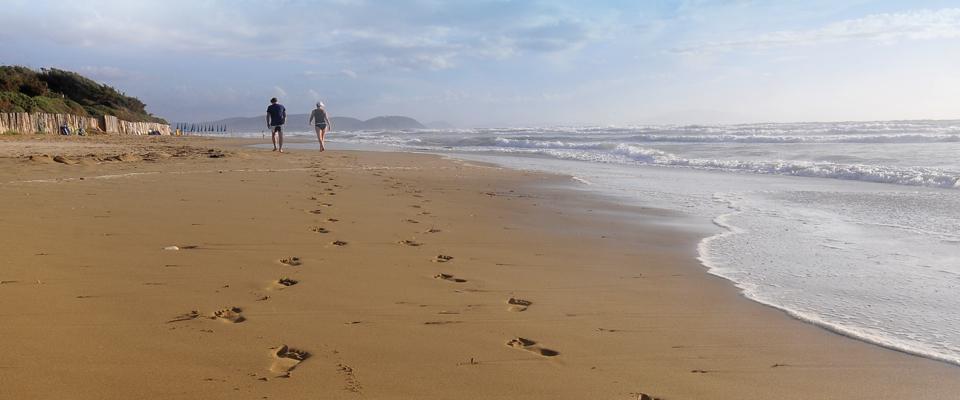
column 580, row 180
column 742, row 148
column 912, row 176
column 848, row 262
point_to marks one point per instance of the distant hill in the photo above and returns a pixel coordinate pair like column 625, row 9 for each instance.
column 392, row 122
column 298, row 121
column 63, row 92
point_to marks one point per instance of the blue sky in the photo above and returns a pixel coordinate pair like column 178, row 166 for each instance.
column 504, row 62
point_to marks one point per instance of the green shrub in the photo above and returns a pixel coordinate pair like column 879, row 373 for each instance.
column 57, row 91
column 21, row 79
column 33, row 88
column 96, row 98
column 16, row 102
column 54, row 106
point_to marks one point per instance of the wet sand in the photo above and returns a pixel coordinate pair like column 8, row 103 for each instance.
column 164, row 268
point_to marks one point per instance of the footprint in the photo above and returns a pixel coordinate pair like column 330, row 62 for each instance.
column 332, row 220
column 286, row 359
column 319, row 229
column 349, row 378
column 448, row 277
column 229, row 314
column 339, row 243
column 531, row 346
column 291, row 261
column 518, row 305
column 176, row 248
column 194, row 314
column 443, row 258
column 432, row 230
column 410, row 243
column 411, row 221
column 315, row 211
column 644, row 396
column 287, row 282
column 63, row 160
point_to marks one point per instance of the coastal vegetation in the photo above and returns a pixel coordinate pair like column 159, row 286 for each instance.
column 57, row 91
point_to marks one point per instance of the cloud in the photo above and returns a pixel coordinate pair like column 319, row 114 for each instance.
column 343, row 73
column 551, row 37
column 206, row 28
column 107, row 73
column 406, row 36
column 881, row 28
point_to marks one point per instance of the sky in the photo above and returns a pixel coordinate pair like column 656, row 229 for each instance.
column 508, row 63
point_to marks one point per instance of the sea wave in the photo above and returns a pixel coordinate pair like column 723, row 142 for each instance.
column 677, row 145
column 622, row 153
column 591, row 142
column 911, row 176
column 866, row 139
column 612, row 152
column 554, row 139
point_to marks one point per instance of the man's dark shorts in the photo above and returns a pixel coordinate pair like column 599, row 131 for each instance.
column 277, row 129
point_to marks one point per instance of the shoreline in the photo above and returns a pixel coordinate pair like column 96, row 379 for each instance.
column 626, row 305
column 812, row 320
column 697, row 254
column 725, row 229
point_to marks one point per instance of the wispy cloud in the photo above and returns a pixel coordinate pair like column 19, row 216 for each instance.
column 108, row 73
column 343, row 73
column 880, row 28
column 419, row 35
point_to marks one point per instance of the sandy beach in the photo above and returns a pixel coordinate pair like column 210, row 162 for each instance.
column 188, row 268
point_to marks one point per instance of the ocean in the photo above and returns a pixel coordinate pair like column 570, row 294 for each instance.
column 853, row 226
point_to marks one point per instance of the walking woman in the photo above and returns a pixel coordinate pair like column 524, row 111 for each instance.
column 320, row 121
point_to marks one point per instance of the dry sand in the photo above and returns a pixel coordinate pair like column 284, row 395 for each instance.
column 376, row 275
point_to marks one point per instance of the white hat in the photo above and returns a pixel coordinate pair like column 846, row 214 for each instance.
column 319, row 104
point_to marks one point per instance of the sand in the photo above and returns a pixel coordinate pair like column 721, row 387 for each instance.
column 186, row 268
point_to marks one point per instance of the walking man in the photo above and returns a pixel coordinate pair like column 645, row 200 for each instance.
column 276, row 116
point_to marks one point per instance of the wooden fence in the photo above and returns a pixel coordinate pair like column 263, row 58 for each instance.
column 50, row 123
